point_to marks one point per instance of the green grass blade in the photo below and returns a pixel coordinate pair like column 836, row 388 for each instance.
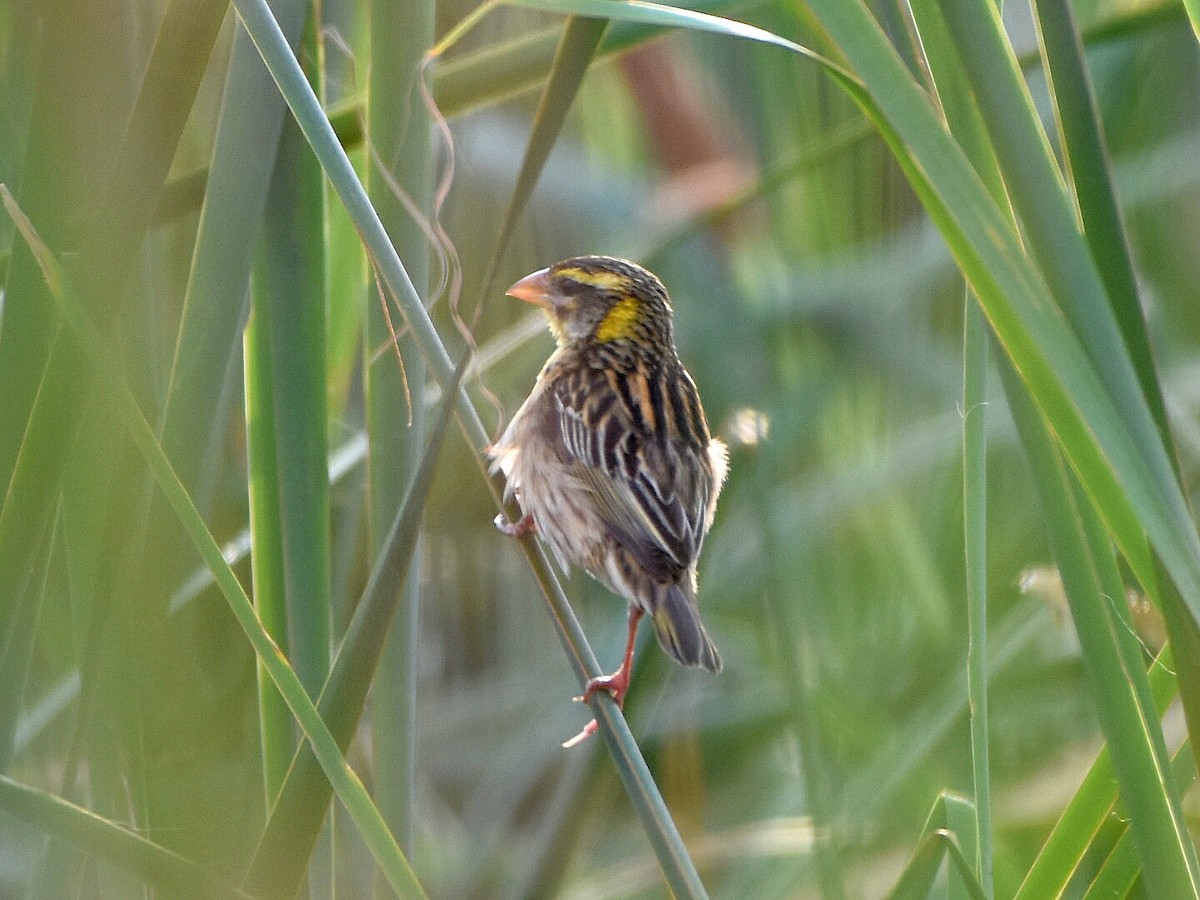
column 1090, row 170
column 243, row 159
column 1122, row 471
column 346, row 783
column 950, row 814
column 290, row 293
column 646, row 13
column 1093, row 802
column 1134, row 736
column 580, row 38
column 266, row 549
column 296, row 817
column 1122, row 867
column 965, row 124
column 975, row 368
column 110, row 842
column 1193, row 11
column 489, row 75
column 286, row 415
column 400, row 142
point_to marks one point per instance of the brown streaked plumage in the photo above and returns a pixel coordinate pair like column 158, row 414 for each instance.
column 611, row 455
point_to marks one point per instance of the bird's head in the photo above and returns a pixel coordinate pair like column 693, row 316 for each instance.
column 600, row 300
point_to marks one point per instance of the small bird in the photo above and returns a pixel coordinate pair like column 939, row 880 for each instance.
column 611, row 457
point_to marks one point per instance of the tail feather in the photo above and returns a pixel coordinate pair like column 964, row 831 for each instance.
column 680, row 632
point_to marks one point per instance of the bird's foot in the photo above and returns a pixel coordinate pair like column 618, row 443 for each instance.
column 615, row 685
column 518, row 529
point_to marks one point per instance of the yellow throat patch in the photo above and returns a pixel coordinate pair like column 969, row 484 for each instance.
column 620, row 320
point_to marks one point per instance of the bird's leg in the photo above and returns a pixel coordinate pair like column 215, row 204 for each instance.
column 615, row 684
column 518, row 529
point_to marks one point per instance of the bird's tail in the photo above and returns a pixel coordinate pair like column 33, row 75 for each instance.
column 677, row 624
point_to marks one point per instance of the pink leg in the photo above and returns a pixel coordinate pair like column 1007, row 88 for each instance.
column 518, row 529
column 615, row 684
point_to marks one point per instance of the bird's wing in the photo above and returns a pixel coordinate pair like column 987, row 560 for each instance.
column 640, row 445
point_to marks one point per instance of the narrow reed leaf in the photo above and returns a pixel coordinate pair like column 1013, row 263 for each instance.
column 295, row 820
column 1096, row 799
column 1085, row 561
column 214, row 312
column 975, row 369
column 1090, row 172
column 1123, row 866
column 488, row 75
column 580, row 38
column 962, row 115
column 939, row 843
column 289, row 296
column 346, row 783
column 266, row 549
column 400, row 179
column 1193, row 11
column 644, row 12
column 1123, row 470
column 112, row 843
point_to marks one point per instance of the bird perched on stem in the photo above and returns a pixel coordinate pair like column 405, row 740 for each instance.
column 611, row 456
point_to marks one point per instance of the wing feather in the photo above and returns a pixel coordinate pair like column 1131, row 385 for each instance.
column 640, row 456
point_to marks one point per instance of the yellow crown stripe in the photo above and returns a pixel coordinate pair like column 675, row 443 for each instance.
column 605, row 281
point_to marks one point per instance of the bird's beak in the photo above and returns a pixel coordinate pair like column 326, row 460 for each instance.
column 534, row 289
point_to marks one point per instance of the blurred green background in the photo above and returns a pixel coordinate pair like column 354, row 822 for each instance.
column 816, row 306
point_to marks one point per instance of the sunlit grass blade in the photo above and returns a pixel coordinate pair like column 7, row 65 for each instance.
column 265, row 547
column 296, row 817
column 1064, row 849
column 480, row 77
column 941, row 841
column 39, row 367
column 239, row 178
column 1121, row 471
column 648, row 13
column 581, row 36
column 346, row 783
column 1123, row 866
column 286, row 436
column 1193, row 11
column 963, row 118
column 112, row 843
column 1090, row 171
column 1111, row 655
column 400, row 179
column 25, row 517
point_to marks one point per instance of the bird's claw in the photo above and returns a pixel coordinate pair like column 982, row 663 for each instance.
column 588, row 730
column 518, row 529
column 615, row 685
